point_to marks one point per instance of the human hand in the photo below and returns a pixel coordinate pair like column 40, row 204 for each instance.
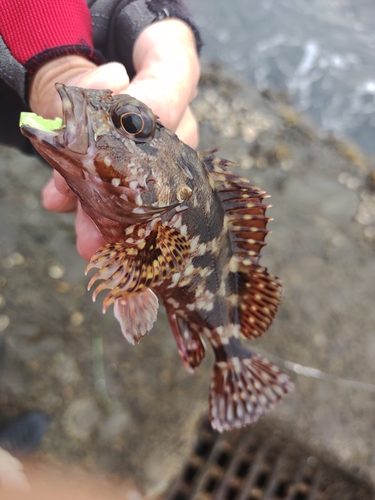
column 42, row 481
column 166, row 80
column 167, row 75
column 45, row 101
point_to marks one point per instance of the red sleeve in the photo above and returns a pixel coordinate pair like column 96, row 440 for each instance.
column 33, row 27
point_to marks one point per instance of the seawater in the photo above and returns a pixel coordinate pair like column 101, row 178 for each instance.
column 321, row 51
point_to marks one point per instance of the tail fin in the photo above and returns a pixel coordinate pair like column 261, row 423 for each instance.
column 242, row 390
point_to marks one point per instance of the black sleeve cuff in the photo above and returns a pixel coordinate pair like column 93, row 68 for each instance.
column 65, row 50
column 117, row 25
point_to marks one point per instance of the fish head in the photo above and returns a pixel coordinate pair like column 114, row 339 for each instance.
column 115, row 155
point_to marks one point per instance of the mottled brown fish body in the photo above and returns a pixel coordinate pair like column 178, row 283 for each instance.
column 180, row 228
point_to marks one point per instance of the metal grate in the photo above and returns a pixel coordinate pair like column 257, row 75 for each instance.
column 258, row 463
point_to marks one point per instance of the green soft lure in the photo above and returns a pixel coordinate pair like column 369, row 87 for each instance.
column 38, row 122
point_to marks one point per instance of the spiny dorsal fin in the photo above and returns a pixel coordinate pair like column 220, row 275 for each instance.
column 258, row 293
column 208, row 154
column 128, row 269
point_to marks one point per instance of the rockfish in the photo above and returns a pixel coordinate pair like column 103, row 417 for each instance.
column 180, row 228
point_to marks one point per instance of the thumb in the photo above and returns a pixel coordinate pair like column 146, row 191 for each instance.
column 111, row 76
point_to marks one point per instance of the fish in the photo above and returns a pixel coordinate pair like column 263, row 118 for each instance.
column 181, row 229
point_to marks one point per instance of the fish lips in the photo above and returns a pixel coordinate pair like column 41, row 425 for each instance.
column 74, row 134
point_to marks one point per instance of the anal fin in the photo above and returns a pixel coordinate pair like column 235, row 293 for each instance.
column 136, row 313
column 189, row 342
column 243, row 390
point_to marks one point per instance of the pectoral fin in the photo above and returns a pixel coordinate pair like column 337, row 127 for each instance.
column 136, row 313
column 128, row 269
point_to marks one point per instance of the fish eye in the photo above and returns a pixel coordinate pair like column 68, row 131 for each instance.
column 134, row 121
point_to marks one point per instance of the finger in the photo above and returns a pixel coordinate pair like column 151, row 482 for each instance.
column 88, row 237
column 167, row 74
column 72, row 70
column 61, row 185
column 52, row 199
column 43, row 97
column 166, row 101
column 160, row 98
column 111, row 76
column 188, row 130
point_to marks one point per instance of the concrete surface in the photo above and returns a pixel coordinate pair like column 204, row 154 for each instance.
column 132, row 410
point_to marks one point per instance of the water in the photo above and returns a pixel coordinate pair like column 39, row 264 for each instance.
column 321, row 51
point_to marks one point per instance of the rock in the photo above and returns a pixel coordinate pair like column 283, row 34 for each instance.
column 114, row 427
column 80, row 419
column 66, row 369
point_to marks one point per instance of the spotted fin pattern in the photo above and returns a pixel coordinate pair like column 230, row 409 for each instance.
column 189, row 342
column 136, row 313
column 258, row 293
column 259, row 299
column 243, row 390
column 129, row 269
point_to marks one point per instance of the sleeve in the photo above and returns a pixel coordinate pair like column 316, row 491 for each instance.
column 44, row 29
column 117, row 25
column 31, row 33
column 35, row 31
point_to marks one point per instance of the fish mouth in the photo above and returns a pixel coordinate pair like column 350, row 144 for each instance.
column 70, row 132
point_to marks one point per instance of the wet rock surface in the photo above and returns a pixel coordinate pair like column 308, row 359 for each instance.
column 132, row 410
